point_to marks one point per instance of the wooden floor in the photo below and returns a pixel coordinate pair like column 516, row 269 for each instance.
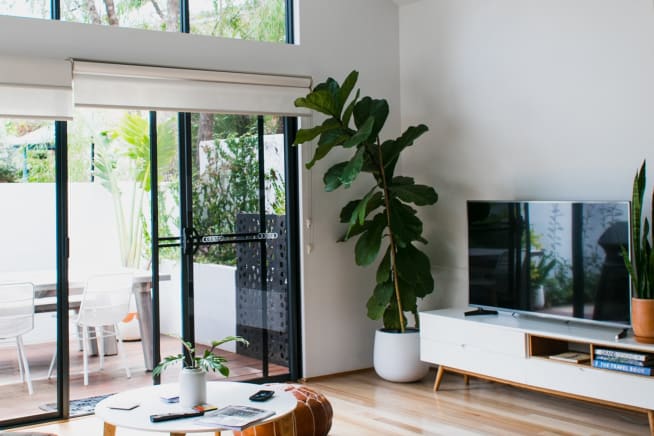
column 365, row 405
column 15, row 401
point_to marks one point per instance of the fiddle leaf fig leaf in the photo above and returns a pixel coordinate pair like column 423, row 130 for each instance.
column 367, row 247
column 354, row 230
column 368, row 107
column 359, row 212
column 352, row 169
column 348, row 211
column 320, row 100
column 304, row 135
column 346, row 89
column 391, row 149
column 367, row 204
column 408, row 296
column 361, row 135
column 384, row 268
column 332, row 177
column 379, row 300
column 405, row 189
column 414, row 268
column 405, row 225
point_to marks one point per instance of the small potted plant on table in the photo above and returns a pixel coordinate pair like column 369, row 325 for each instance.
column 193, row 376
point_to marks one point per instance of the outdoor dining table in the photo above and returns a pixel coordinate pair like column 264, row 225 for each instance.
column 45, row 300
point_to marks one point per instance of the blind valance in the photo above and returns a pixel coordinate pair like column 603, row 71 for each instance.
column 35, row 88
column 184, row 90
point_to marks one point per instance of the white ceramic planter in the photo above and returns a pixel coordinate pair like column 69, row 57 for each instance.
column 192, row 387
column 397, row 356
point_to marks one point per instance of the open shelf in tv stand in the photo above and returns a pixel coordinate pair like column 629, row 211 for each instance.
column 516, row 350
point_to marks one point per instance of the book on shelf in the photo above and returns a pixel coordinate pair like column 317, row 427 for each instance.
column 235, row 417
column 633, row 369
column 633, row 355
column 648, row 363
column 571, row 356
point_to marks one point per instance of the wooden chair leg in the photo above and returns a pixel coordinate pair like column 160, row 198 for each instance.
column 439, row 377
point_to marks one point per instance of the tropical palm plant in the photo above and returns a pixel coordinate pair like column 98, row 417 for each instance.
column 133, row 132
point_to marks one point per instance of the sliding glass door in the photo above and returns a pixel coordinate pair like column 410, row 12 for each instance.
column 199, row 211
column 235, row 270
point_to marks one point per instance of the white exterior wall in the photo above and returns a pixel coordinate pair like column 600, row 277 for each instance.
column 335, row 37
column 536, row 99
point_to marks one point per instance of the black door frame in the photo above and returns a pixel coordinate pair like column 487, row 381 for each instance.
column 189, row 240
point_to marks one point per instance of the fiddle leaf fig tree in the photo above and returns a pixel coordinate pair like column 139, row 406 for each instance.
column 384, row 220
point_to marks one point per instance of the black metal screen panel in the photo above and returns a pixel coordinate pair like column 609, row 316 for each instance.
column 254, row 322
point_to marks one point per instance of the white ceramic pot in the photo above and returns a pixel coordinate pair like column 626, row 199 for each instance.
column 192, row 387
column 397, row 356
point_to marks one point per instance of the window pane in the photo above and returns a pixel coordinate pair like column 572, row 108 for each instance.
column 140, row 14
column 257, row 20
column 108, row 213
column 241, row 287
column 27, row 255
column 26, row 8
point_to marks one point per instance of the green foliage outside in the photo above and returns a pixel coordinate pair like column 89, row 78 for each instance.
column 131, row 140
column 8, row 173
column 229, row 185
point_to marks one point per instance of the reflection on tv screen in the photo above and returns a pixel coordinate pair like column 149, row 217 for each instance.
column 560, row 259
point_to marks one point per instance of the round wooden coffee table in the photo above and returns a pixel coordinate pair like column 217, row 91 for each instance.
column 220, row 394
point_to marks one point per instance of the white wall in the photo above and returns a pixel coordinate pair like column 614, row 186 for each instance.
column 526, row 99
column 336, row 37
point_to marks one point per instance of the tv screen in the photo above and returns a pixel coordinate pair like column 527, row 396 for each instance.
column 559, row 259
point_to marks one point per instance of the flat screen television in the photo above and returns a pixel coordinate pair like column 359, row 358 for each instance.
column 555, row 259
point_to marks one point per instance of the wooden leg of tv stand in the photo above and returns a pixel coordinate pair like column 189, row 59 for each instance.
column 466, row 379
column 650, row 415
column 439, row 377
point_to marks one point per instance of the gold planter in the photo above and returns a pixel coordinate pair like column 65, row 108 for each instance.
column 642, row 319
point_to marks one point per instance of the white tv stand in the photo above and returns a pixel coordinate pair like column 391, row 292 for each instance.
column 516, row 349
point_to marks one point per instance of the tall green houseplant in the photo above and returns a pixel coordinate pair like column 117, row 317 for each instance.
column 386, row 212
column 641, row 265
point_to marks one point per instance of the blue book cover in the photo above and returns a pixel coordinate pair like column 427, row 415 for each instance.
column 622, row 367
column 623, row 360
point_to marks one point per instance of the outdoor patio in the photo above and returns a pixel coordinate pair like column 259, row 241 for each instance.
column 15, row 401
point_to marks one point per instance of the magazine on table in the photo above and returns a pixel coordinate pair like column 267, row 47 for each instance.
column 235, row 417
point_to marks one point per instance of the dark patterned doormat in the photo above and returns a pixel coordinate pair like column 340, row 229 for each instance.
column 83, row 406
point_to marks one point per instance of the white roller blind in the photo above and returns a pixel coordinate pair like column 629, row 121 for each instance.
column 184, row 90
column 35, row 88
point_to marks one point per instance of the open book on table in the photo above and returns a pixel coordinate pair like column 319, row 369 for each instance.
column 235, row 417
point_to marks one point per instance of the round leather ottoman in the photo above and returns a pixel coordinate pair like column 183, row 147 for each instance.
column 312, row 415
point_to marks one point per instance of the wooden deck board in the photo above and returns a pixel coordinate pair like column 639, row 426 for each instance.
column 15, row 401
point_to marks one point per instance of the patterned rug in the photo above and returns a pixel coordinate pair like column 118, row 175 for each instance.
column 83, row 406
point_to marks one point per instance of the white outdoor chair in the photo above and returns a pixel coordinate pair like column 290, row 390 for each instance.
column 105, row 303
column 16, row 319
